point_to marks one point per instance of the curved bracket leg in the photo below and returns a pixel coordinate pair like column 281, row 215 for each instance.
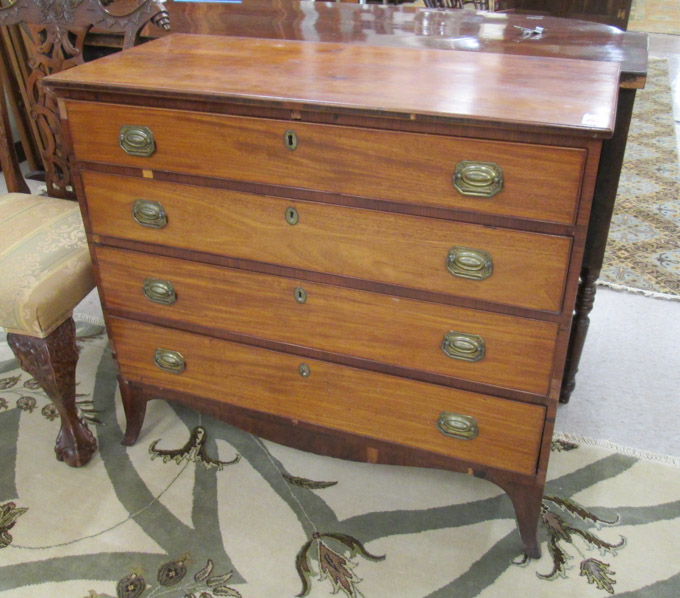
column 527, row 501
column 134, row 406
column 52, row 362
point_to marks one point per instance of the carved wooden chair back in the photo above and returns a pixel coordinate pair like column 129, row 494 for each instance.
column 51, row 39
column 14, row 179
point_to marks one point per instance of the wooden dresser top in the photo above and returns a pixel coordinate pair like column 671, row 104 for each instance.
column 538, row 93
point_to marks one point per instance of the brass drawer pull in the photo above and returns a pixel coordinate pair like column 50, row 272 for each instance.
column 137, row 140
column 467, row 347
column 159, row 291
column 478, row 179
column 463, row 427
column 169, row 361
column 149, row 213
column 292, row 217
column 290, row 140
column 474, row 264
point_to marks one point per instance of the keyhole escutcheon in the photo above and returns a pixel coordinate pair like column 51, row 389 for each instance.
column 300, row 295
column 290, row 140
column 292, row 216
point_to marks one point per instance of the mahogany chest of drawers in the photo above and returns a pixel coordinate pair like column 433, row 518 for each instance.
column 370, row 253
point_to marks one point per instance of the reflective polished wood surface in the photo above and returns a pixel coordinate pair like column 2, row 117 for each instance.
column 413, row 27
column 406, row 83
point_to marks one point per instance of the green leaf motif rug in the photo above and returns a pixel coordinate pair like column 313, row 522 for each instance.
column 199, row 509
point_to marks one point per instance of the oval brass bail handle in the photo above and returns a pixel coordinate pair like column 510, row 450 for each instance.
column 478, row 179
column 455, row 425
column 137, row 140
column 465, row 262
column 467, row 347
column 159, row 291
column 149, row 213
column 169, row 361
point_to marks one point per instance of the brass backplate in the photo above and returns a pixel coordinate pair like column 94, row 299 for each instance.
column 137, row 140
column 456, row 425
column 478, row 179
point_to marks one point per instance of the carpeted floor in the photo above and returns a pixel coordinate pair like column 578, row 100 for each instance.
column 199, row 509
column 655, row 16
column 643, row 249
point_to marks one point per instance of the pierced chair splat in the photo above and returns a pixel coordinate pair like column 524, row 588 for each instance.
column 52, row 40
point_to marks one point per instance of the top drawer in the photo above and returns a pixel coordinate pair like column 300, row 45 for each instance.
column 538, row 182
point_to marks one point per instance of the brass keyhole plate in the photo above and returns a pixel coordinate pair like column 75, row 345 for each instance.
column 292, row 217
column 290, row 140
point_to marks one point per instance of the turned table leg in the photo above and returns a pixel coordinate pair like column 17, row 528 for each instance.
column 604, row 197
column 585, row 300
column 52, row 362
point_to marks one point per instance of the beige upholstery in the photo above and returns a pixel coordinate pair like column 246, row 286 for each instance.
column 44, row 261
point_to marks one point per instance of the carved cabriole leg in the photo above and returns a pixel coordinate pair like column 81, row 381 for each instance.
column 134, row 406
column 52, row 362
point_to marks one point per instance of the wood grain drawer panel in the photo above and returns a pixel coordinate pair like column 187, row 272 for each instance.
column 529, row 269
column 540, row 182
column 338, row 397
column 401, row 332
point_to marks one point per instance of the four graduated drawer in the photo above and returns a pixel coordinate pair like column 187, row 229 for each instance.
column 474, row 345
column 426, row 254
column 538, row 182
column 370, row 404
column 525, row 269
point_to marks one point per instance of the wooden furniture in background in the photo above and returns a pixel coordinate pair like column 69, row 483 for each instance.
column 477, row 4
column 51, row 38
column 608, row 12
column 328, row 247
column 45, row 271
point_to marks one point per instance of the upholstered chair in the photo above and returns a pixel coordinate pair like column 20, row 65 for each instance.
column 45, row 271
column 45, row 268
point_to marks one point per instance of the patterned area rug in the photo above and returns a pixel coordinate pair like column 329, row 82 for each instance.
column 643, row 250
column 655, row 16
column 198, row 509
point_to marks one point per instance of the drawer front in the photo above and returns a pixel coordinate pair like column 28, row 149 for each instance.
column 527, row 269
column 375, row 405
column 538, row 182
column 489, row 348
